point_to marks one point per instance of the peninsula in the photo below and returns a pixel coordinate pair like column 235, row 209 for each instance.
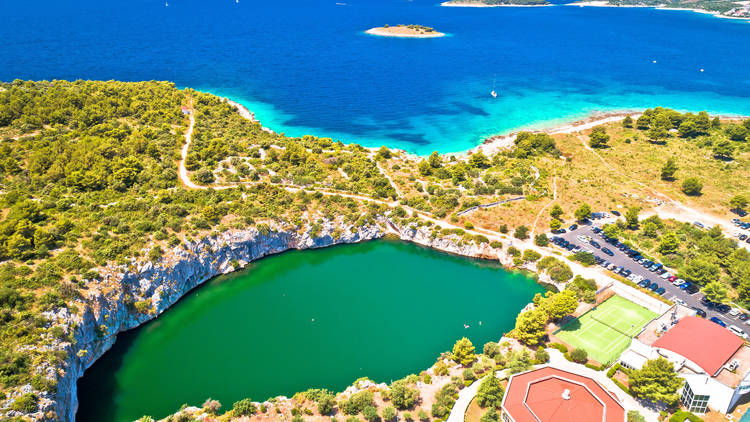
column 722, row 9
column 495, row 3
column 405, row 31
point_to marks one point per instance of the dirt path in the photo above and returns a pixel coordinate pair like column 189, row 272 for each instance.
column 388, row 176
column 554, row 198
column 184, row 178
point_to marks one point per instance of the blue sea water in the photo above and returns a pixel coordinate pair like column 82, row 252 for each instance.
column 307, row 67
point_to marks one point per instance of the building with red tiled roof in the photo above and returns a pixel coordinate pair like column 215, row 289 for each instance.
column 713, row 361
column 689, row 337
column 549, row 394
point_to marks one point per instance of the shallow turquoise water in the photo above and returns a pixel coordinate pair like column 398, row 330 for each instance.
column 305, row 66
column 304, row 319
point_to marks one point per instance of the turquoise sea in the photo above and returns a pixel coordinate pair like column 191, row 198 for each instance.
column 307, row 67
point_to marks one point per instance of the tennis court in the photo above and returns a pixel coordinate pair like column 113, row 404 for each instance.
column 605, row 331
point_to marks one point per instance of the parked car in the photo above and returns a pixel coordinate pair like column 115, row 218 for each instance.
column 699, row 224
column 660, row 291
column 723, row 308
column 684, row 285
column 595, row 244
column 573, row 227
column 700, row 312
column 744, row 317
column 608, row 252
column 584, row 239
column 615, row 212
column 626, row 272
column 665, row 275
column 678, row 282
column 736, row 330
column 654, row 287
column 644, row 283
column 692, row 289
column 718, row 321
column 671, row 278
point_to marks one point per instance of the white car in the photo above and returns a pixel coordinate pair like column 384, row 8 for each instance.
column 738, row 331
column 678, row 282
column 679, row 301
column 666, row 275
column 735, row 312
column 584, row 239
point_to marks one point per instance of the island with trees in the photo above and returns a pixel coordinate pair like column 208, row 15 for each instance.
column 495, row 3
column 108, row 190
column 405, row 31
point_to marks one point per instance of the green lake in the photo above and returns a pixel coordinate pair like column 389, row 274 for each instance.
column 302, row 319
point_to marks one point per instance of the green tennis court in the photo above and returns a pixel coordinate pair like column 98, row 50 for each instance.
column 605, row 331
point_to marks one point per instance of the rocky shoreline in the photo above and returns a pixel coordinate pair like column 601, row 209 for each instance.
column 110, row 307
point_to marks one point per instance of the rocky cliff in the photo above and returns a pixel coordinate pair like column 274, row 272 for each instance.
column 127, row 297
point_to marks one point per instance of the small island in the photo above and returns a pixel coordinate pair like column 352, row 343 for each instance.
column 496, row 3
column 405, row 31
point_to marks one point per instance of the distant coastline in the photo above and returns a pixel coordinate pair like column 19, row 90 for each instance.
column 605, row 3
column 469, row 3
column 405, row 31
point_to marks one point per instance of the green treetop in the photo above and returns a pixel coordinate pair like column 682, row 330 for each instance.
column 463, row 352
column 656, row 381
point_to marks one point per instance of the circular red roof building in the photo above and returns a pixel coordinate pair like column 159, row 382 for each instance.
column 549, row 394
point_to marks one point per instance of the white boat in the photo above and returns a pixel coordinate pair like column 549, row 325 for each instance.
column 493, row 93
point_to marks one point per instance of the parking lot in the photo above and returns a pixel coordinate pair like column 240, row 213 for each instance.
column 621, row 259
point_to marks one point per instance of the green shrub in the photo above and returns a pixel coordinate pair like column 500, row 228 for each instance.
column 490, row 392
column 579, row 355
column 403, row 396
column 357, row 402
column 682, row 415
column 389, row 414
column 244, row 407
column 635, row 416
column 370, row 413
column 559, row 346
column 541, row 355
column 27, row 403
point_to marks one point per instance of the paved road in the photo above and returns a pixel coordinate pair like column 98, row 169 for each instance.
column 621, row 259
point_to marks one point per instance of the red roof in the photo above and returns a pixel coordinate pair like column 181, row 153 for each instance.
column 538, row 396
column 706, row 344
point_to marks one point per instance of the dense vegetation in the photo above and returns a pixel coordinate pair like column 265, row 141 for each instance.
column 89, row 177
column 720, row 6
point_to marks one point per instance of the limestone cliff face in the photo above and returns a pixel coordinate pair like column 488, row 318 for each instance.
column 113, row 310
column 127, row 297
